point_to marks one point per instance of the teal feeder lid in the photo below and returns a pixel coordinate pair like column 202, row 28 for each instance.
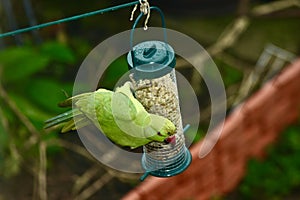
column 151, row 59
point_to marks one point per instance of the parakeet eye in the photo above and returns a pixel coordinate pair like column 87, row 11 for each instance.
column 159, row 134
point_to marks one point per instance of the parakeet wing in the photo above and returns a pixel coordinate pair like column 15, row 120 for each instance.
column 118, row 115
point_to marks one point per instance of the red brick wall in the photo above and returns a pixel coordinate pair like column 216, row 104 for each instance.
column 247, row 131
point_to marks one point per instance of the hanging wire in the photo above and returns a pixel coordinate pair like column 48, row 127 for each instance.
column 101, row 11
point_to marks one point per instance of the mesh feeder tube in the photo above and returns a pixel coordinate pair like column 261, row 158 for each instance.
column 153, row 75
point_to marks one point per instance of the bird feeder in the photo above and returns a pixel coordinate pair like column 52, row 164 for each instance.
column 152, row 65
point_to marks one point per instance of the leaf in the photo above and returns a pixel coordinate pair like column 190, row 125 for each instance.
column 21, row 62
column 230, row 75
column 11, row 166
column 82, row 47
column 3, row 139
column 47, row 93
column 59, row 52
column 30, row 109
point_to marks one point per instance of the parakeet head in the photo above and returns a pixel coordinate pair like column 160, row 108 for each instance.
column 163, row 127
column 167, row 129
column 170, row 130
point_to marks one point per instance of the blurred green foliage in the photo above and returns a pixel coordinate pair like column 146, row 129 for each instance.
column 31, row 89
column 230, row 75
column 36, row 79
column 116, row 71
column 279, row 174
column 16, row 66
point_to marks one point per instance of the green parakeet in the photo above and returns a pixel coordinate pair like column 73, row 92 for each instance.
column 119, row 115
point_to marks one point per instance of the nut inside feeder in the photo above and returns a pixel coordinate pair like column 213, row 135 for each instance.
column 153, row 76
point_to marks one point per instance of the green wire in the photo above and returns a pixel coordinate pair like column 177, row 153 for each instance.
column 68, row 19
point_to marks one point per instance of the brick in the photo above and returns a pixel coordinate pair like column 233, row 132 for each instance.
column 246, row 136
column 288, row 82
column 233, row 167
column 234, row 123
column 199, row 173
column 206, row 160
column 205, row 187
column 231, row 180
column 259, row 102
column 187, row 175
column 146, row 188
column 182, row 191
column 288, row 93
column 291, row 72
column 232, row 129
column 231, row 148
column 287, row 113
column 251, row 136
column 198, row 184
column 132, row 195
column 210, row 140
column 203, row 195
column 226, row 159
column 198, row 164
column 257, row 149
column 291, row 116
column 230, row 164
column 231, row 139
column 205, row 148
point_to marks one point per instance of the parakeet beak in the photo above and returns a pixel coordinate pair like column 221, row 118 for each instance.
column 171, row 140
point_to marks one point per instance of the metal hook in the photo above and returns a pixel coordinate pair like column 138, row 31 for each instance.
column 145, row 9
column 132, row 12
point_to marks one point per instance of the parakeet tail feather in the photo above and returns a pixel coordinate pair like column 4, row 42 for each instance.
column 68, row 102
column 66, row 116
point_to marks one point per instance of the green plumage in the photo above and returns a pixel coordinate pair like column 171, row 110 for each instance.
column 118, row 115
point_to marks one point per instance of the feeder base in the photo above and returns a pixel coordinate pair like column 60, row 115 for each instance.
column 178, row 166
